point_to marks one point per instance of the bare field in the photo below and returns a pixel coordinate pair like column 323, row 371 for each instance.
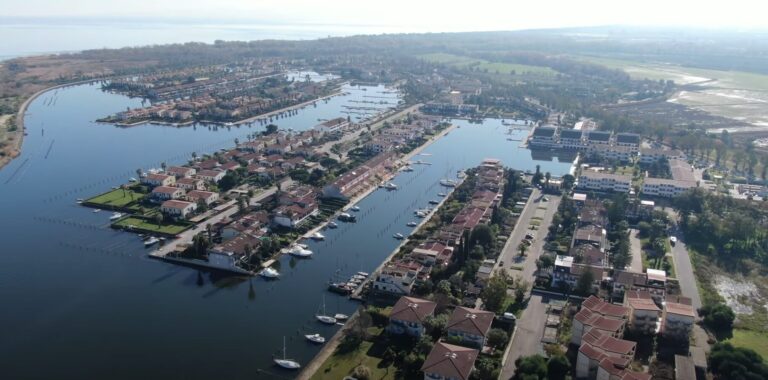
column 738, row 96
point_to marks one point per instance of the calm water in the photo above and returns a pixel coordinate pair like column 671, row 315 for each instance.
column 82, row 301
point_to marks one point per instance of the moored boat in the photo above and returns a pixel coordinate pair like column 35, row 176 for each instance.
column 315, row 338
column 269, row 272
column 151, row 241
column 285, row 362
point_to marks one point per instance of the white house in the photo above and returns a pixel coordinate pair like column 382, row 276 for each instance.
column 598, row 181
column 165, row 193
column 178, row 209
column 211, row 175
column 154, row 179
column 666, row 188
column 206, row 196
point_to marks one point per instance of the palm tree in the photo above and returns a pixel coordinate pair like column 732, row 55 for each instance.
column 237, row 141
column 547, row 176
column 163, row 165
column 138, row 173
column 194, row 156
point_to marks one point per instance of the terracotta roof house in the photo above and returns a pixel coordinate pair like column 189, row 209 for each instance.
column 408, row 315
column 471, row 325
column 596, row 348
column 447, row 361
column 644, row 314
column 165, row 193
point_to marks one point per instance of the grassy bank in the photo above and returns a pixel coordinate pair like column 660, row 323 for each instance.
column 483, row 65
column 115, row 199
column 137, row 224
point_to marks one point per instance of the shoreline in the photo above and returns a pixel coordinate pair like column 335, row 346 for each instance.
column 21, row 128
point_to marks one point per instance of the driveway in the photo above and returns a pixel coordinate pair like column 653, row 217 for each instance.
column 636, row 248
column 526, row 339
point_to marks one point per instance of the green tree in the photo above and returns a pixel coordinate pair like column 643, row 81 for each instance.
column 530, row 367
column 497, row 338
column 718, row 316
column 729, row 362
column 271, row 128
column 494, row 294
column 481, row 234
column 558, row 367
column 584, row 284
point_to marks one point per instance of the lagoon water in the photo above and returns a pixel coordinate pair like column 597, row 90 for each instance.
column 83, row 301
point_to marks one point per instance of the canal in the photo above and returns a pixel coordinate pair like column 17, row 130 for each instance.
column 83, row 301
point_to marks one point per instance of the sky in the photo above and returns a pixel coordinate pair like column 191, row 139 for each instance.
column 408, row 15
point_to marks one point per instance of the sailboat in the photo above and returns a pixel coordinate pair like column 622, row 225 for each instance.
column 315, row 338
column 285, row 362
column 327, row 319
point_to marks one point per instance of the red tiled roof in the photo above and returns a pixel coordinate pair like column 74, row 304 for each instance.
column 472, row 321
column 412, row 309
column 449, row 361
column 165, row 190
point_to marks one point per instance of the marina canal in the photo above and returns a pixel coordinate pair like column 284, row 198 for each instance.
column 88, row 300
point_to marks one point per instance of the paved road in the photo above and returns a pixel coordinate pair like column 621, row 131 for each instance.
column 636, row 248
column 527, row 337
column 686, row 278
column 186, row 236
column 530, row 325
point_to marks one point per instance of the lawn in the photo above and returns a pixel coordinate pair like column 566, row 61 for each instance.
column 338, row 366
column 500, row 67
column 150, row 226
column 755, row 340
column 116, row 198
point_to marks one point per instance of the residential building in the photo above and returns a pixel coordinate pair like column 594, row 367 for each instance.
column 154, row 179
column 397, row 277
column 213, row 176
column 544, row 137
column 644, row 314
column 598, row 181
column 677, row 320
column 596, row 347
column 408, row 315
column 206, row 196
column 187, row 183
column 572, row 139
column 589, row 234
column 599, row 138
column 597, row 307
column 332, row 126
column 471, row 325
column 624, row 281
column 178, row 209
column 180, row 171
column 449, row 362
column 164, row 193
column 651, row 155
column 666, row 188
column 294, row 215
column 628, row 140
column 613, row 368
column 433, row 253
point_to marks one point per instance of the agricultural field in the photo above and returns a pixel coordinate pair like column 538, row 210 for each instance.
column 499, row 67
column 736, row 95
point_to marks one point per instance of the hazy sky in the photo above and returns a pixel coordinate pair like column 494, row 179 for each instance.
column 415, row 15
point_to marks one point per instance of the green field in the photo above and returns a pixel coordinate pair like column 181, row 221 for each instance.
column 338, row 366
column 751, row 339
column 116, row 198
column 141, row 225
column 500, row 67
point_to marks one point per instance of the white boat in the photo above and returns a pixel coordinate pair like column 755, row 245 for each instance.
column 96, row 210
column 115, row 216
column 412, row 224
column 131, row 179
column 359, row 277
column 341, row 317
column 315, row 338
column 327, row 319
column 355, row 208
column 366, row 274
column 448, row 183
column 407, row 169
column 79, row 200
column 398, row 236
column 285, row 362
column 421, row 214
column 269, row 272
column 317, row 236
column 434, row 202
column 298, row 251
column 441, row 194
column 332, row 224
column 390, row 186
column 151, row 241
